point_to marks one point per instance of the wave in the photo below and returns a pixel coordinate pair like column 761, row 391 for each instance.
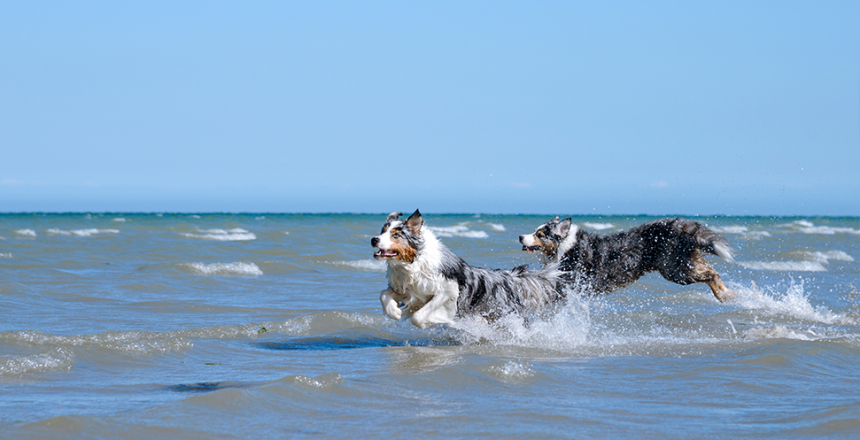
column 809, row 228
column 511, row 371
column 496, row 227
column 792, row 301
column 458, row 230
column 778, row 332
column 815, row 262
column 26, row 232
column 7, row 255
column 598, row 226
column 62, row 347
column 825, row 257
column 83, row 232
column 56, row 359
column 120, row 220
column 235, row 234
column 363, row 264
column 799, row 266
column 740, row 230
column 238, row 268
column 324, row 381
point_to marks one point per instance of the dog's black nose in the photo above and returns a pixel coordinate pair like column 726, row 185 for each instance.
column 374, row 241
column 521, row 238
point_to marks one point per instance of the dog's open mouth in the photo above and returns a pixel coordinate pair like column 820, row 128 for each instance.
column 384, row 253
column 531, row 249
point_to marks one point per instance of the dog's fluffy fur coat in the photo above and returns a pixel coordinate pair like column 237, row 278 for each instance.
column 435, row 285
column 602, row 263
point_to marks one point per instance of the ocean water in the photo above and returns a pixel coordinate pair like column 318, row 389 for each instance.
column 268, row 325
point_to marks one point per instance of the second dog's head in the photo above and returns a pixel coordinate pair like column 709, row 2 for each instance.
column 399, row 240
column 547, row 237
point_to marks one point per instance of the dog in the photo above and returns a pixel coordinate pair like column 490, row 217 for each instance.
column 674, row 247
column 435, row 285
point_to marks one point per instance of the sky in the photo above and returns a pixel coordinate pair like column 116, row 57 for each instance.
column 570, row 107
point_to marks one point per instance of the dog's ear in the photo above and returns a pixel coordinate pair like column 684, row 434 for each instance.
column 415, row 222
column 393, row 216
column 564, row 227
column 555, row 220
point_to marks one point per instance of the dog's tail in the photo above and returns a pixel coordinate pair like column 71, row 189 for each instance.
column 537, row 288
column 708, row 240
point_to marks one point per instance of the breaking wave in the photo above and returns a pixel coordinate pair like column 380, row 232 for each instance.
column 825, row 257
column 363, row 264
column 598, row 226
column 56, row 359
column 458, row 230
column 797, row 266
column 7, row 255
column 791, row 301
column 238, row 268
column 809, row 228
column 814, row 262
column 779, row 332
column 27, row 232
column 235, row 234
column 496, row 227
column 83, row 232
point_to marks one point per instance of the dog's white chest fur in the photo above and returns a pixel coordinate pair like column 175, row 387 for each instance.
column 429, row 297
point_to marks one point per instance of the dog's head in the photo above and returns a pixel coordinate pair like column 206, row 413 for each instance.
column 546, row 237
column 399, row 240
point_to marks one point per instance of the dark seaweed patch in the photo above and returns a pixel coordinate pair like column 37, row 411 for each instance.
column 200, row 387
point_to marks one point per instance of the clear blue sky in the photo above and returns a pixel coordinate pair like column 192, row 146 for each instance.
column 496, row 107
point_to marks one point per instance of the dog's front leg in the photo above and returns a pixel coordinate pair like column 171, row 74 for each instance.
column 441, row 309
column 389, row 300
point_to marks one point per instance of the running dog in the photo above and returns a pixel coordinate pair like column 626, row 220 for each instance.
column 435, row 285
column 603, row 263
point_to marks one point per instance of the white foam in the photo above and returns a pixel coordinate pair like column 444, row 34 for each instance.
column 83, row 232
column 27, row 232
column 799, row 266
column 120, row 219
column 126, row 341
column 458, row 230
column 809, row 228
column 363, row 264
column 791, row 301
column 825, row 257
column 777, row 332
column 496, row 227
column 729, row 229
column 235, row 234
column 566, row 329
column 513, row 370
column 262, row 217
column 238, row 268
column 599, row 226
column 9, row 255
column 194, row 216
column 56, row 359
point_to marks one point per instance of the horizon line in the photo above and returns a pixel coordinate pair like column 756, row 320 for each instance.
column 424, row 213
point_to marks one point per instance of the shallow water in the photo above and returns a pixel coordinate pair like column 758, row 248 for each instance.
column 269, row 325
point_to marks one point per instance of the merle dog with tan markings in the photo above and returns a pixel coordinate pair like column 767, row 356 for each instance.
column 433, row 285
column 674, row 247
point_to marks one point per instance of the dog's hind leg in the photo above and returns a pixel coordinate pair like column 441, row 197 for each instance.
column 439, row 310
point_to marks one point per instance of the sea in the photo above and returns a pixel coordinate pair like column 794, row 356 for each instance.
column 260, row 325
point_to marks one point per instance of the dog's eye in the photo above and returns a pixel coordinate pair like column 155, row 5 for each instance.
column 539, row 233
column 395, row 234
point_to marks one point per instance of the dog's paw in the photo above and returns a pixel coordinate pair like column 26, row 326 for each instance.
column 392, row 311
